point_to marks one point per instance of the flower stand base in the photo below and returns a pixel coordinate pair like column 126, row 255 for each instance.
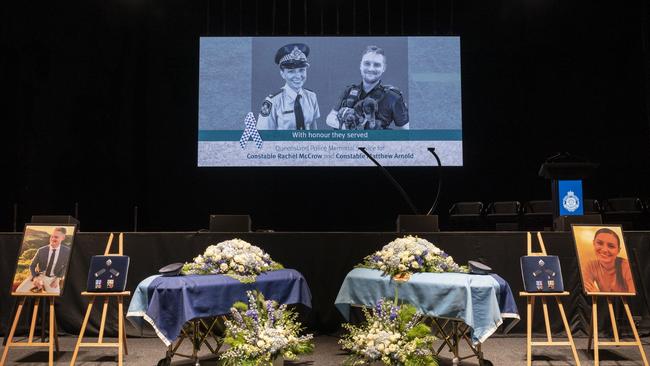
column 279, row 361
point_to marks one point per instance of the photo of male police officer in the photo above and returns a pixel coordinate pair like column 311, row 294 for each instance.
column 293, row 107
column 42, row 268
column 370, row 104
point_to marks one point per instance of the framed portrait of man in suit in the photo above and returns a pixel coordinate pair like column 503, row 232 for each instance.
column 43, row 259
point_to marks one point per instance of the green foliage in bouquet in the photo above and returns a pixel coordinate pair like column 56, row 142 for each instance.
column 411, row 254
column 391, row 334
column 260, row 331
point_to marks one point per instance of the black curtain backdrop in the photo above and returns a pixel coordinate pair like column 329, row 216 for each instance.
column 324, row 259
column 100, row 109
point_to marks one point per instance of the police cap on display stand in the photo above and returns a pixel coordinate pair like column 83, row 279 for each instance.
column 292, row 56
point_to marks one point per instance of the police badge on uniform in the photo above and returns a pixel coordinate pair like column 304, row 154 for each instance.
column 266, row 109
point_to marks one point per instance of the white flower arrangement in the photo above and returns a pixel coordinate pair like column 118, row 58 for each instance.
column 261, row 331
column 393, row 335
column 411, row 254
column 235, row 258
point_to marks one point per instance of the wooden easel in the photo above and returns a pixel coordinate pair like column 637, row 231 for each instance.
column 530, row 307
column 609, row 296
column 121, row 338
column 53, row 338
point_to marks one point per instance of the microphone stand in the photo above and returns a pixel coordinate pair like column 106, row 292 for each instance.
column 392, row 180
column 414, row 222
column 432, row 150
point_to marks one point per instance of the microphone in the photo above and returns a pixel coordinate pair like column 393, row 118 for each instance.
column 432, row 150
column 392, row 180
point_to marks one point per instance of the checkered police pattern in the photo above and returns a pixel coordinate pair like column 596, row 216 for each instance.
column 250, row 132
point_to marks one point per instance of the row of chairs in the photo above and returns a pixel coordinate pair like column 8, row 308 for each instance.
column 631, row 212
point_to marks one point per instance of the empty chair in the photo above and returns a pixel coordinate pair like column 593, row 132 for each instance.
column 645, row 216
column 504, row 215
column 537, row 216
column 625, row 204
column 591, row 206
column 544, row 206
column 625, row 211
column 466, row 216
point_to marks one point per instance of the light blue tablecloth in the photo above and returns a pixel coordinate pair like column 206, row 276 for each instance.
column 479, row 301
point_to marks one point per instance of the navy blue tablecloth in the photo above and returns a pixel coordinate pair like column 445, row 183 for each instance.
column 169, row 302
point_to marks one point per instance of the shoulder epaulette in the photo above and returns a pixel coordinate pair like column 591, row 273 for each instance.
column 392, row 88
column 272, row 95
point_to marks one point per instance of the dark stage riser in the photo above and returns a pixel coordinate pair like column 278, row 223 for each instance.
column 324, row 259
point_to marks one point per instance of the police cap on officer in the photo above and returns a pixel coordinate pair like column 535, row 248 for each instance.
column 292, row 56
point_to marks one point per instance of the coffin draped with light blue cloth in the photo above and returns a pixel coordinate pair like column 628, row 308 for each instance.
column 168, row 302
column 480, row 301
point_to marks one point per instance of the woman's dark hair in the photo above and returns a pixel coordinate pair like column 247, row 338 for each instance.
column 608, row 231
column 618, row 263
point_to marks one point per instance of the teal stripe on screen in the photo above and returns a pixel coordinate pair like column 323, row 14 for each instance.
column 331, row 135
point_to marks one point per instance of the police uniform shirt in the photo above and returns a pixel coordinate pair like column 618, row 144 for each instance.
column 277, row 110
column 390, row 103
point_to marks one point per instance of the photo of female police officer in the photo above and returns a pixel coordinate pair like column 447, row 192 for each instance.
column 292, row 107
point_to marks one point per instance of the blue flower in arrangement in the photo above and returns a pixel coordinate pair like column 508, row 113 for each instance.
column 393, row 313
column 391, row 334
column 379, row 306
column 261, row 331
column 252, row 314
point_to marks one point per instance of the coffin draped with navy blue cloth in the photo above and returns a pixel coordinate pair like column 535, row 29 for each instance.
column 167, row 303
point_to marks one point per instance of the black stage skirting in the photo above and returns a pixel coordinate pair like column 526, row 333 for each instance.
column 324, row 259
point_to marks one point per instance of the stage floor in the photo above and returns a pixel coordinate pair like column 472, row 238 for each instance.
column 500, row 350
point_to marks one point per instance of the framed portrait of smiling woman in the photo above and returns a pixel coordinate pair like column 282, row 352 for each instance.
column 604, row 264
column 43, row 259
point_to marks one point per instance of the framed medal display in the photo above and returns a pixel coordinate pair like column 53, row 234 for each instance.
column 542, row 273
column 108, row 273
